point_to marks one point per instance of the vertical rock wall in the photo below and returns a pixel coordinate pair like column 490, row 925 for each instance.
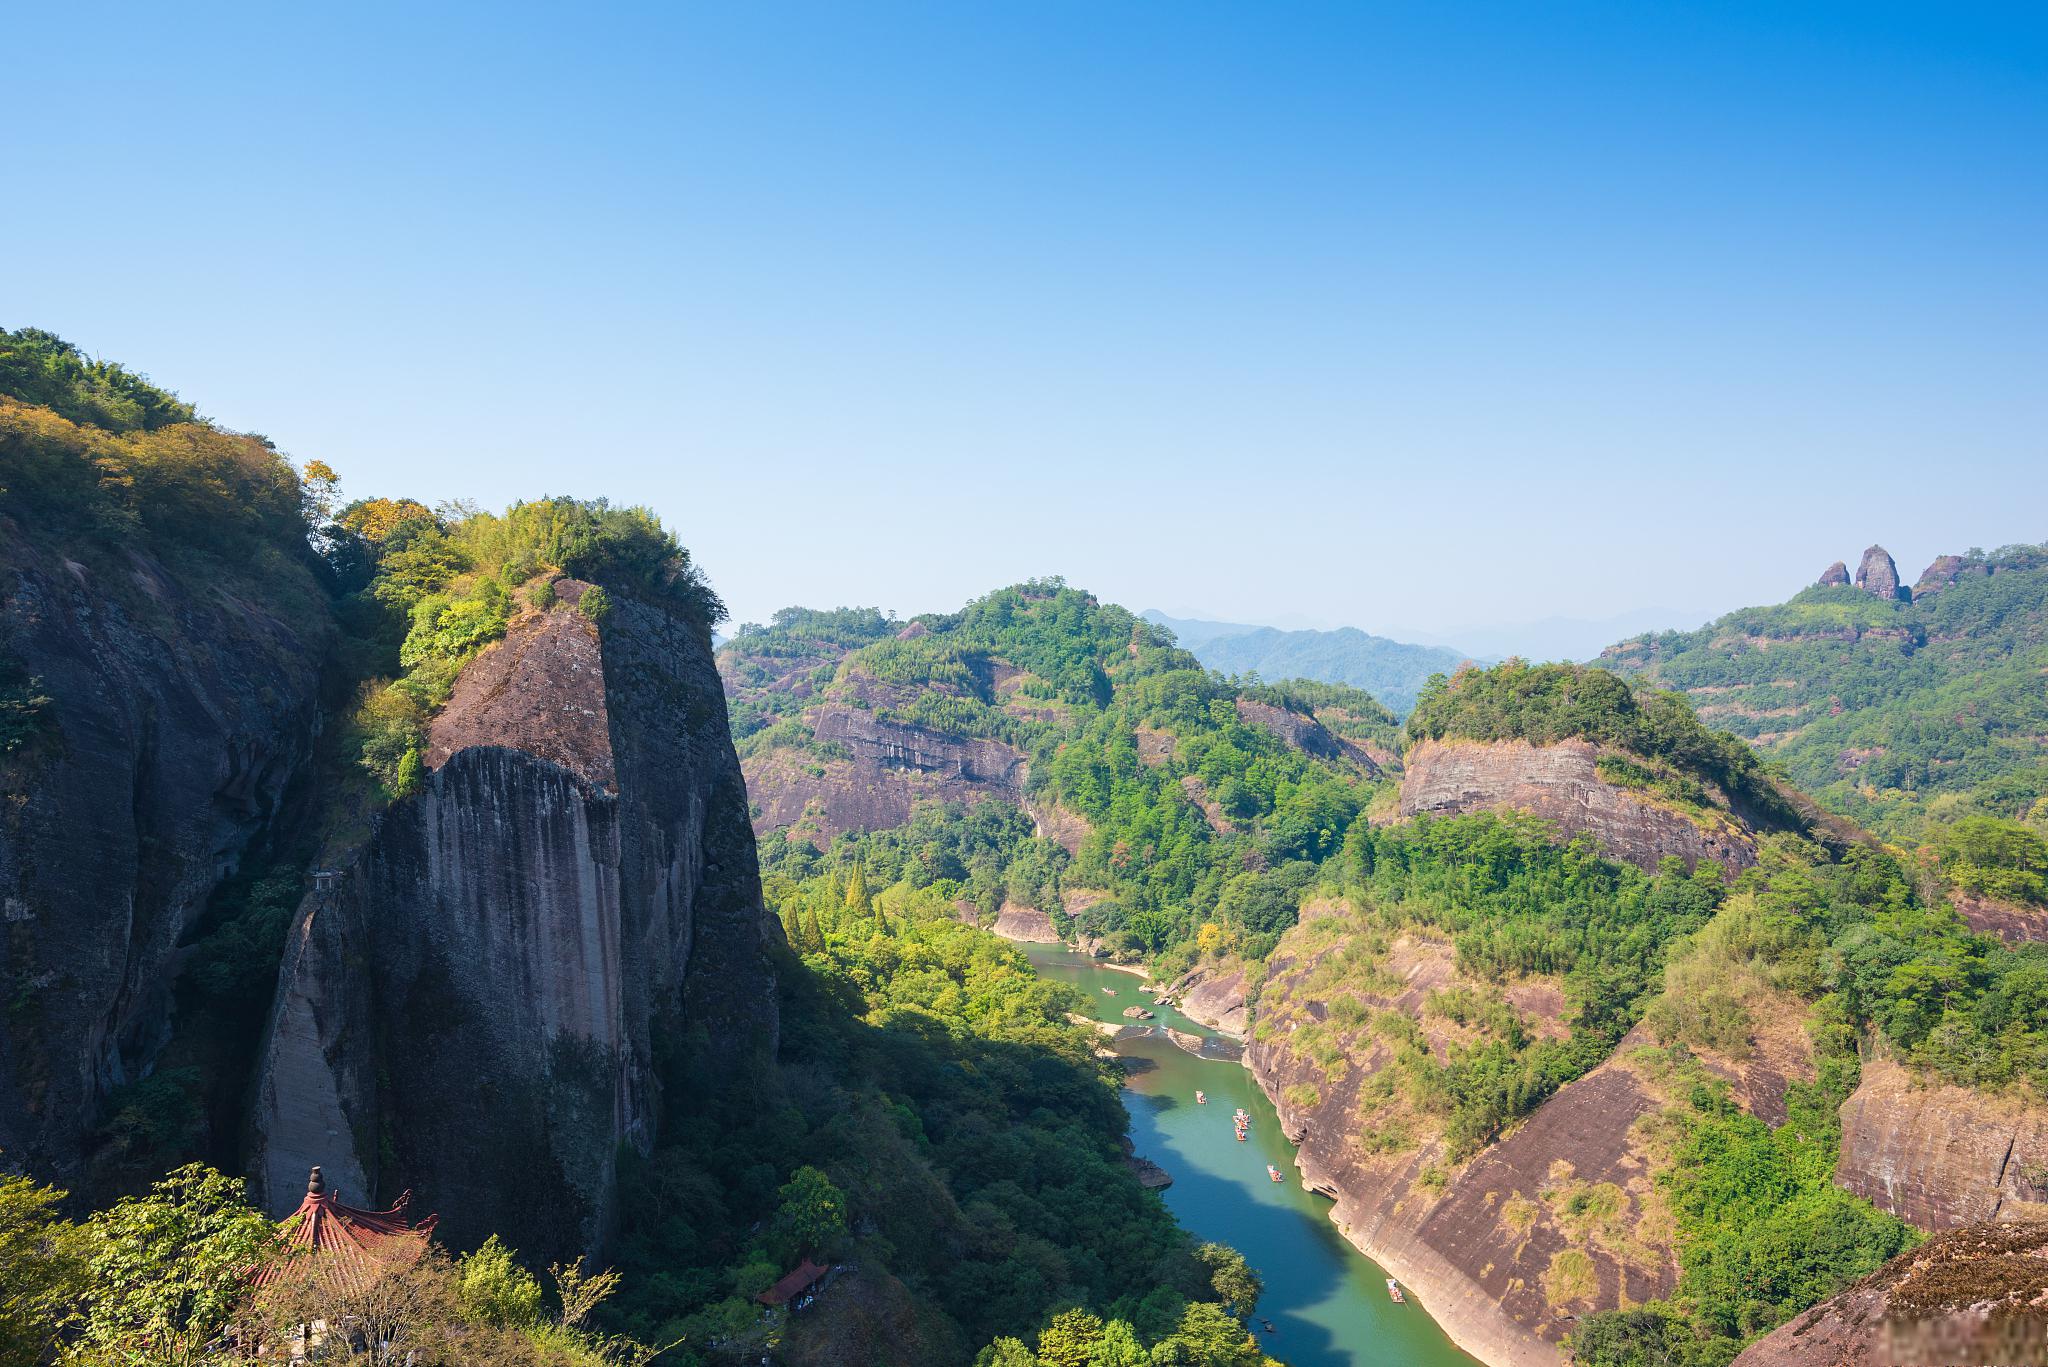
column 474, row 1011
column 182, row 706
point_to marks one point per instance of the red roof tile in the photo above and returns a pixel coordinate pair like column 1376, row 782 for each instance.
column 793, row 1285
column 351, row 1246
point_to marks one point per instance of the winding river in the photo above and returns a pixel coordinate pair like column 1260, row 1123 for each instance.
column 1328, row 1303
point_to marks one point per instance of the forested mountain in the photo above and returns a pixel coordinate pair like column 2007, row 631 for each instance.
column 1393, row 672
column 1567, row 1007
column 411, row 843
column 1889, row 704
column 1162, row 795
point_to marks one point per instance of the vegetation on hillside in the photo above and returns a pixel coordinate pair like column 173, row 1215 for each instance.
column 423, row 591
column 168, row 1278
column 1219, row 818
column 1894, row 714
column 934, row 1085
column 1544, row 704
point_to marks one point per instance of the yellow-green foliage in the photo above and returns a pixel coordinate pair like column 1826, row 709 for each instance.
column 1570, row 1277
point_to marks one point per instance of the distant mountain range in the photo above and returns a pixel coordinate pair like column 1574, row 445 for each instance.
column 1392, row 671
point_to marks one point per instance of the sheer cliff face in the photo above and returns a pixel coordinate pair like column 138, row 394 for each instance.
column 182, row 705
column 474, row 1009
column 1940, row 1156
column 1561, row 783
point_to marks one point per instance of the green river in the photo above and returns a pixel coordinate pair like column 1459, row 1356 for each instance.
column 1328, row 1302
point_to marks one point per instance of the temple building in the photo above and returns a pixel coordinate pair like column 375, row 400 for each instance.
column 341, row 1247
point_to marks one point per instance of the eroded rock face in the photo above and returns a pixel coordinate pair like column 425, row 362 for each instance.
column 181, row 709
column 1560, row 783
column 1026, row 925
column 1939, row 1156
column 1945, row 571
column 1216, row 1000
column 1306, row 734
column 891, row 766
column 474, row 1010
column 1878, row 574
column 1835, row 575
column 1496, row 1253
column 1976, row 1294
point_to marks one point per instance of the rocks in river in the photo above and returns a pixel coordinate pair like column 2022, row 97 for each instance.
column 1137, row 1013
column 1835, row 576
column 1878, row 575
column 1151, row 1176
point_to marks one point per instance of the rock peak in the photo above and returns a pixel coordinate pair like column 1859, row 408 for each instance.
column 1878, row 574
column 1835, row 574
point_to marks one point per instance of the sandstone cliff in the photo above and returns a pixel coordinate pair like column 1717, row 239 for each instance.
column 1558, row 1219
column 475, row 1007
column 1562, row 784
column 181, row 706
column 881, row 769
column 1939, row 1156
column 1977, row 1294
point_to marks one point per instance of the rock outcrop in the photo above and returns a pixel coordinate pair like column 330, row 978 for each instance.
column 181, row 706
column 1561, row 783
column 880, row 769
column 1976, row 1294
column 1878, row 575
column 1306, row 734
column 1216, row 1000
column 1026, row 925
column 474, row 1007
column 1939, row 1156
column 1946, row 571
column 1835, row 576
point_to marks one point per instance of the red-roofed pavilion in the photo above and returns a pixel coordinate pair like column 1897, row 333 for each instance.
column 343, row 1247
column 793, row 1285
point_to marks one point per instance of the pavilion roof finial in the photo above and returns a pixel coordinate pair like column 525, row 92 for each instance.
column 315, row 1183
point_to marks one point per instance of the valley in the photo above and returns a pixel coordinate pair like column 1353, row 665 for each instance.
column 438, row 851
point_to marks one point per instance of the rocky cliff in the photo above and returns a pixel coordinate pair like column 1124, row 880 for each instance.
column 180, row 706
column 1977, row 1294
column 875, row 770
column 1939, row 1156
column 475, row 1004
column 1562, row 783
column 1878, row 574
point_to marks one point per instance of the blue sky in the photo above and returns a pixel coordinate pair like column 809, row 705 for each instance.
column 1427, row 315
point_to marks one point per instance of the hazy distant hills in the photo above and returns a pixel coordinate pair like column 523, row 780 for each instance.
column 1392, row 671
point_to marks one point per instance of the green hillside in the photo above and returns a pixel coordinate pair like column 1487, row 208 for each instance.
column 1888, row 712
column 1195, row 804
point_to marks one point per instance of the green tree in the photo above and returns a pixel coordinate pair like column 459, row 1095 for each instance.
column 495, row 1289
column 1208, row 1337
column 1070, row 1340
column 812, row 1213
column 1236, row 1283
column 1118, row 1347
column 1005, row 1352
column 169, row 1269
column 42, row 1270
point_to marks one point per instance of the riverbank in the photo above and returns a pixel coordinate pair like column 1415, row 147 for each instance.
column 1329, row 1304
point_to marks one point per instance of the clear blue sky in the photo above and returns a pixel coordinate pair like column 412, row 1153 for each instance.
column 1431, row 315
